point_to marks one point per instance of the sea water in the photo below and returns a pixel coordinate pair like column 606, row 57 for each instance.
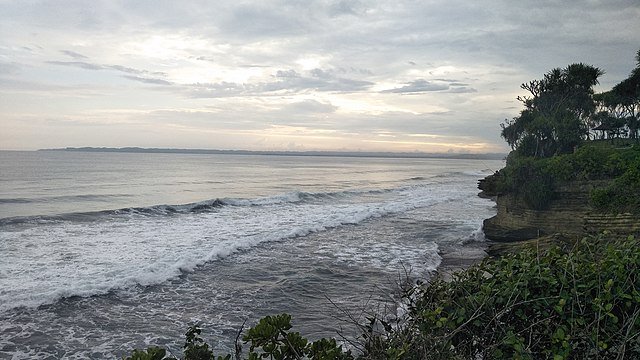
column 101, row 253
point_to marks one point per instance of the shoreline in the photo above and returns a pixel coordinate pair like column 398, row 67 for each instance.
column 459, row 259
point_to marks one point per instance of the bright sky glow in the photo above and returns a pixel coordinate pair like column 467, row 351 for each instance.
column 431, row 76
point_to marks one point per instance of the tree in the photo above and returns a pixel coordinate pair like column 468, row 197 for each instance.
column 557, row 112
column 623, row 102
column 633, row 124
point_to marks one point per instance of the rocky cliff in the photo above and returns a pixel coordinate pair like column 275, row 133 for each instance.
column 568, row 213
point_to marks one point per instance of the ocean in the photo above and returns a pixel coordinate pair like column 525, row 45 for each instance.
column 105, row 252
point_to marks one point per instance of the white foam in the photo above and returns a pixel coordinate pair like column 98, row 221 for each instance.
column 478, row 234
column 419, row 259
column 291, row 197
column 45, row 263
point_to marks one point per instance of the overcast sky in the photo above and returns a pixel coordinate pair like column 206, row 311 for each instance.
column 395, row 75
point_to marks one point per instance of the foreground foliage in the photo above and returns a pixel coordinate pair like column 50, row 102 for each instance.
column 569, row 302
column 579, row 303
column 271, row 338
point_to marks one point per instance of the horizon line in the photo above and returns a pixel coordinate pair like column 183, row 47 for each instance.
column 337, row 153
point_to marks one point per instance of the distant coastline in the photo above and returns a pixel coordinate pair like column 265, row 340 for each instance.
column 488, row 156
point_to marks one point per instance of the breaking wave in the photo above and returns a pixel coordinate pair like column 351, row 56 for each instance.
column 85, row 254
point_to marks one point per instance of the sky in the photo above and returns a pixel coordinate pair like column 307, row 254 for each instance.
column 300, row 75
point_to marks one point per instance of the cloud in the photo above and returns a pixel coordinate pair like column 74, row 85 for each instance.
column 316, row 79
column 287, row 74
column 288, row 81
column 418, row 86
column 134, row 71
column 309, row 116
column 462, row 90
column 14, row 86
column 283, row 81
column 422, row 86
column 311, row 106
column 80, row 64
column 147, row 80
column 345, row 7
column 216, row 90
column 205, row 58
column 334, row 65
column 73, row 54
column 266, row 20
column 131, row 73
column 91, row 66
column 9, row 68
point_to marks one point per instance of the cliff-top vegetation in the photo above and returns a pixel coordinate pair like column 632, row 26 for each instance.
column 566, row 132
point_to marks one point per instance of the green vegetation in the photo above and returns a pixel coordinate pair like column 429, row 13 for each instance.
column 621, row 195
column 554, row 120
column 568, row 302
column 621, row 107
column 271, row 339
column 562, row 111
column 567, row 133
column 578, row 302
column 536, row 179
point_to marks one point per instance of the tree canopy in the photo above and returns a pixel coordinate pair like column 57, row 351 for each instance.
column 562, row 110
column 557, row 112
column 622, row 102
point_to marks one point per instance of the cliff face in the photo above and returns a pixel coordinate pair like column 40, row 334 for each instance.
column 569, row 213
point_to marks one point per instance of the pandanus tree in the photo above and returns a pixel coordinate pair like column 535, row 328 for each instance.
column 623, row 101
column 556, row 114
column 628, row 95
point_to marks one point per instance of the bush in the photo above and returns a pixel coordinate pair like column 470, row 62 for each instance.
column 581, row 303
column 622, row 195
column 528, row 178
column 271, row 339
column 535, row 179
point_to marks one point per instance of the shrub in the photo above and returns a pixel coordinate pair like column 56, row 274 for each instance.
column 271, row 339
column 528, row 178
column 622, row 195
column 578, row 303
column 535, row 179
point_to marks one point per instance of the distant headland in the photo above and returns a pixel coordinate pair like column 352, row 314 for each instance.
column 488, row 156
